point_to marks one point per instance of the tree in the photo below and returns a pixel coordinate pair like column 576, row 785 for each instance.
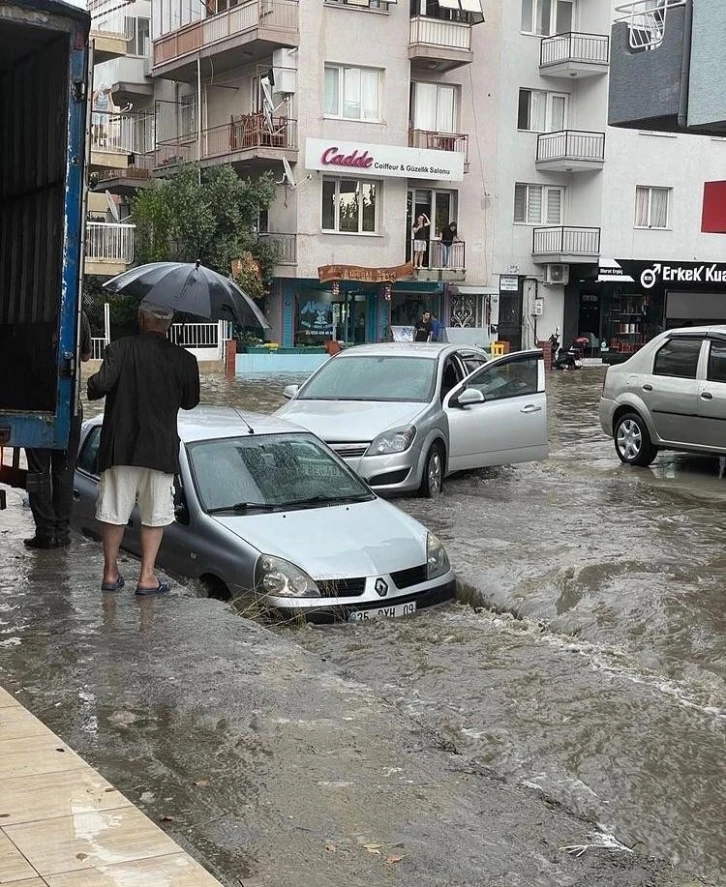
column 209, row 215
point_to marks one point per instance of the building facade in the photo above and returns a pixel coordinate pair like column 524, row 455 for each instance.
column 385, row 122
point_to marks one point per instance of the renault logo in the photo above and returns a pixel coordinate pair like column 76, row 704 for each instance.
column 381, row 587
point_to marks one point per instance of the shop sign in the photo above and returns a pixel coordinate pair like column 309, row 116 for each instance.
column 316, row 318
column 328, row 273
column 651, row 274
column 508, row 283
column 363, row 159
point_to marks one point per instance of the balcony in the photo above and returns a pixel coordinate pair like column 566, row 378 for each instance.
column 256, row 26
column 436, row 44
column 127, row 181
column 115, row 137
column 574, row 55
column 439, row 263
column 245, row 138
column 667, row 62
column 565, row 244
column 108, row 33
column 570, row 151
column 440, row 141
column 109, row 248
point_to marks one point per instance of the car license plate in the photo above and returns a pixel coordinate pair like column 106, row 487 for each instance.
column 390, row 612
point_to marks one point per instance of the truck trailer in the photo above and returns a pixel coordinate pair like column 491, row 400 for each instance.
column 44, row 57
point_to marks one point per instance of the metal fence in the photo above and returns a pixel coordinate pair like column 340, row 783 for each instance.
column 110, row 242
column 647, row 21
column 571, row 144
column 436, row 32
column 98, row 346
column 286, row 247
column 437, row 256
column 439, row 141
column 564, row 240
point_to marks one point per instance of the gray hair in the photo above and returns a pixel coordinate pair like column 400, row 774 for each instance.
column 159, row 315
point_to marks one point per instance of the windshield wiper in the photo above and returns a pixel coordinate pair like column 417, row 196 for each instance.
column 243, row 506
column 327, row 500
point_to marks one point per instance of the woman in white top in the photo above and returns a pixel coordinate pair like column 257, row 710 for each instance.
column 420, row 239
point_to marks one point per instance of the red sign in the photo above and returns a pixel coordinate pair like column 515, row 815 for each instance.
column 333, row 157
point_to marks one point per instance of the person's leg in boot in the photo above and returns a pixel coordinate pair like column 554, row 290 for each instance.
column 40, row 496
column 63, row 467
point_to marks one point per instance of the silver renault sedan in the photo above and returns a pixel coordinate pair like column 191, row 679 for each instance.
column 670, row 395
column 404, row 415
column 265, row 511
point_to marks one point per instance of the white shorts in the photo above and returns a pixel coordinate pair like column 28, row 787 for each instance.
column 419, row 246
column 123, row 486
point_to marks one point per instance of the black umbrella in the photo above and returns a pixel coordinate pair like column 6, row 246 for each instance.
column 190, row 288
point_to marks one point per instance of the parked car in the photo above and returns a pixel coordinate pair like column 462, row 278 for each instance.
column 274, row 514
column 670, row 395
column 405, row 415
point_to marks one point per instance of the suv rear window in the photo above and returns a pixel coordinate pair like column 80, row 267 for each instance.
column 678, row 357
column 717, row 362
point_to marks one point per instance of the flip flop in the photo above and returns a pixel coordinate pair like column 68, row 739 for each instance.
column 114, row 586
column 161, row 588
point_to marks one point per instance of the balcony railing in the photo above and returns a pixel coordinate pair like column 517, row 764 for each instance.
column 116, row 22
column 591, row 49
column 98, row 347
column 247, row 133
column 439, row 141
column 438, row 33
column 110, row 242
column 563, row 240
column 286, row 247
column 647, row 21
column 274, row 15
column 132, row 133
column 437, row 256
column 571, row 145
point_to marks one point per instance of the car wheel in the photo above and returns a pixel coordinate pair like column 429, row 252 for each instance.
column 432, row 482
column 215, row 588
column 632, row 441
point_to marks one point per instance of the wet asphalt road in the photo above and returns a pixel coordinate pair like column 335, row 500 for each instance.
column 588, row 679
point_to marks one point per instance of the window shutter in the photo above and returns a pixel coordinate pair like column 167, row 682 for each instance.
column 554, row 206
column 534, row 210
column 520, row 203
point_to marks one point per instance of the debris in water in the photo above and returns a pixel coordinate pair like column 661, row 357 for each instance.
column 599, row 841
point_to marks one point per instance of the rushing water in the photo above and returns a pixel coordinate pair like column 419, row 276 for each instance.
column 587, row 657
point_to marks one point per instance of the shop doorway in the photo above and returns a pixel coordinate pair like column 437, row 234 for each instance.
column 589, row 322
column 349, row 317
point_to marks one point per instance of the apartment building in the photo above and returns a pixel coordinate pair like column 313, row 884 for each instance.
column 373, row 114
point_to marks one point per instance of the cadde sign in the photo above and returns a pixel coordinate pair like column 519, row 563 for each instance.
column 365, row 159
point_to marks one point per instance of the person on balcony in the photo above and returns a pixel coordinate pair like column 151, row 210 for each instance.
column 449, row 236
column 421, row 233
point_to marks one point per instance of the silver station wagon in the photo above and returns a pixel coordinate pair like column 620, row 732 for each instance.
column 670, row 395
column 265, row 510
column 405, row 415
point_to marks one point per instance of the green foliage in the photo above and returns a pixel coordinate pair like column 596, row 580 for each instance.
column 207, row 215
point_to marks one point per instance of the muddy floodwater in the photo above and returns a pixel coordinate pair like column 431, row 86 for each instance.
column 595, row 669
column 584, row 664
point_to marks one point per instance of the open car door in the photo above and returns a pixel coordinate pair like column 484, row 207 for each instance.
column 498, row 414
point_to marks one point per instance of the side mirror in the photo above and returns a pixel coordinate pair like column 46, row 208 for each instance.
column 290, row 391
column 469, row 397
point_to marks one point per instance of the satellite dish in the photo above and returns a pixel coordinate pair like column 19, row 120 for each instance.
column 112, row 207
column 287, row 175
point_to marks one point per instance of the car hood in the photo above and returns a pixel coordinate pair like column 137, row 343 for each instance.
column 340, row 542
column 349, row 420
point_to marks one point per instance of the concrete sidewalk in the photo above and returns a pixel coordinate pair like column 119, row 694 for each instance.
column 63, row 825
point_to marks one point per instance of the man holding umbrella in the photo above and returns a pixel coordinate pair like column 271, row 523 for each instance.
column 146, row 379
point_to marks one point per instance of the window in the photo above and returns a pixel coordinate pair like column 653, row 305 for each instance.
column 548, row 17
column 353, row 93
column 538, row 204
column 541, row 111
column 349, row 205
column 435, row 107
column 652, row 207
column 717, row 362
column 138, row 39
column 188, row 114
column 472, row 361
column 88, row 458
column 678, row 357
column 514, row 378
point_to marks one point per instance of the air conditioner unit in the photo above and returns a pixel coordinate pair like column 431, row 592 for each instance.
column 556, row 274
column 284, row 71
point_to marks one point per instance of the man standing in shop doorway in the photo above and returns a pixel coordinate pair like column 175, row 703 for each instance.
column 423, row 330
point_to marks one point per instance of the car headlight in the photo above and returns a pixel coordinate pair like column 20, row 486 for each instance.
column 279, row 578
column 398, row 440
column 437, row 560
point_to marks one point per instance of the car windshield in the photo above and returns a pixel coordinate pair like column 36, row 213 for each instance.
column 374, row 377
column 270, row 471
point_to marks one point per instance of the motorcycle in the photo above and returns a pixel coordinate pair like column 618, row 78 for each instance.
column 564, row 358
